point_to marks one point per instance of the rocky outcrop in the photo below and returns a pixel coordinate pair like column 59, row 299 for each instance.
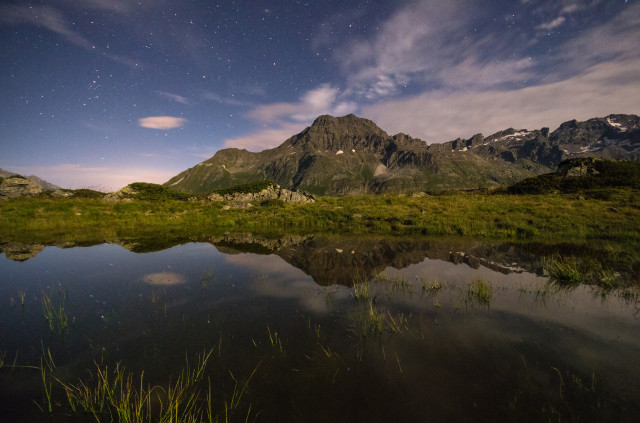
column 273, row 192
column 15, row 186
column 125, row 194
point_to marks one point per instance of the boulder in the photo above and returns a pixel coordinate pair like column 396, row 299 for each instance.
column 14, row 187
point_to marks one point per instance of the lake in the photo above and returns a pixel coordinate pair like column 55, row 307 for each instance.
column 316, row 329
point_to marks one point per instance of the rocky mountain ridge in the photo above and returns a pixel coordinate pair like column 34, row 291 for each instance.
column 351, row 155
column 13, row 185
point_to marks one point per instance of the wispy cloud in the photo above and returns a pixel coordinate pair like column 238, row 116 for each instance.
column 55, row 20
column 266, row 138
column 469, row 82
column 118, row 6
column 611, row 87
column 161, row 122
column 211, row 96
column 174, row 97
column 430, row 44
column 322, row 100
column 282, row 120
column 552, row 24
column 45, row 17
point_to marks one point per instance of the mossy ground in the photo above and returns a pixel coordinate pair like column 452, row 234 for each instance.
column 550, row 217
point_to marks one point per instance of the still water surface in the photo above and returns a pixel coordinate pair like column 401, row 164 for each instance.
column 412, row 341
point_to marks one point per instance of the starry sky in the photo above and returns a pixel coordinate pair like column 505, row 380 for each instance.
column 102, row 93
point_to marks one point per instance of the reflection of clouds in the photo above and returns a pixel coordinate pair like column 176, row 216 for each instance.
column 164, row 278
column 275, row 278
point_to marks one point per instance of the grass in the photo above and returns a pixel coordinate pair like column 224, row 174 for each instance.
column 432, row 285
column 549, row 217
column 116, row 395
column 361, row 291
column 55, row 315
column 21, row 294
column 479, row 292
column 568, row 272
column 376, row 319
column 275, row 341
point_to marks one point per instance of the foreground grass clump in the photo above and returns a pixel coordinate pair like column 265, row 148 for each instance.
column 479, row 292
column 570, row 272
column 116, row 396
column 154, row 192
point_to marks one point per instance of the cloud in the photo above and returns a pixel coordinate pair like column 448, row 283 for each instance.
column 119, row 6
column 266, row 138
column 161, row 122
column 421, row 44
column 211, row 96
column 174, row 97
column 553, row 24
column 605, row 88
column 55, row 21
column 103, row 178
column 45, row 17
column 282, row 120
column 322, row 100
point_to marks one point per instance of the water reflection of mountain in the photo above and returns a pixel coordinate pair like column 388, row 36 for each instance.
column 336, row 260
column 346, row 261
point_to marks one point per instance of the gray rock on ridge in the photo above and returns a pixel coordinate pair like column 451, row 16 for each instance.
column 14, row 187
column 274, row 192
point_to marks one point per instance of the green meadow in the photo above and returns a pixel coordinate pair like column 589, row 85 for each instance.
column 603, row 216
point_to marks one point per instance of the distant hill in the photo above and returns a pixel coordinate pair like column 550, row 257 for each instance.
column 351, row 155
column 587, row 173
column 47, row 186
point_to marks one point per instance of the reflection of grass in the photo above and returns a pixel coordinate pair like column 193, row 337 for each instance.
column 206, row 279
column 479, row 291
column 395, row 281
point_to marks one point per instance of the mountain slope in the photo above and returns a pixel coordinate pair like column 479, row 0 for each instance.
column 47, row 186
column 351, row 155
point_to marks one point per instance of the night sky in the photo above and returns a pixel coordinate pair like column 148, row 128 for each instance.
column 102, row 93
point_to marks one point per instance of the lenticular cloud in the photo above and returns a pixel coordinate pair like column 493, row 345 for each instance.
column 161, row 122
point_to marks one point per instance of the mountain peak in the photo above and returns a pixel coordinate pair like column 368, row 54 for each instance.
column 329, row 133
column 352, row 155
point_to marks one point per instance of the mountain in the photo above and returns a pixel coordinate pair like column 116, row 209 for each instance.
column 351, row 155
column 582, row 173
column 12, row 185
column 47, row 186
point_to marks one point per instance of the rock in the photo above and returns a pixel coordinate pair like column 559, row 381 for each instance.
column 274, row 192
column 14, row 187
column 122, row 195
